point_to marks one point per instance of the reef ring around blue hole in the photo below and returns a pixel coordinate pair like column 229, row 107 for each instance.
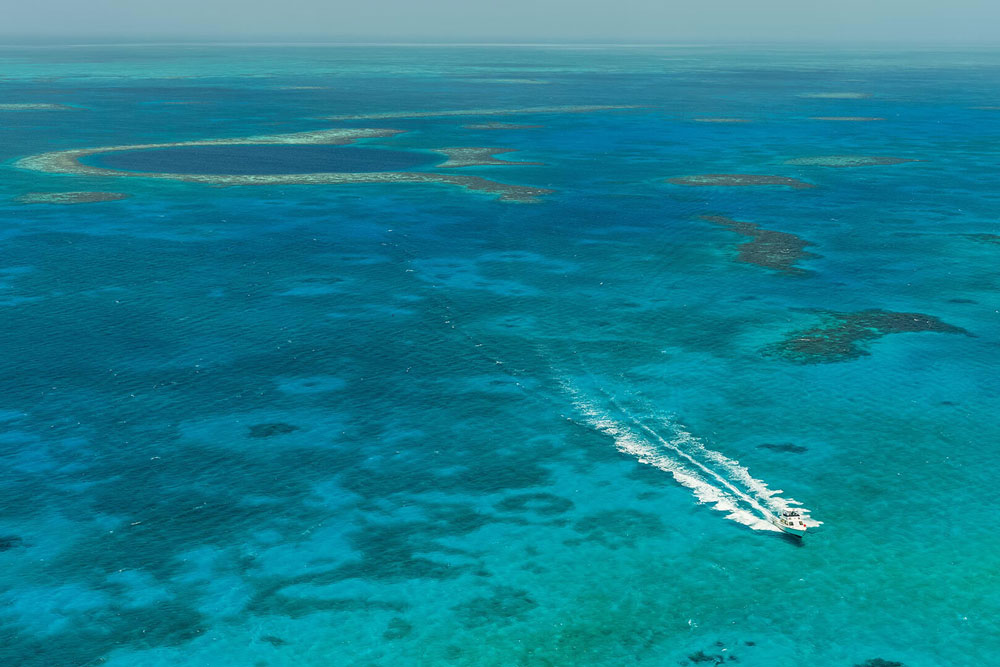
column 246, row 159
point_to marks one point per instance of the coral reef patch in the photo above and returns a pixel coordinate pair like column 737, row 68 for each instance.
column 616, row 529
column 33, row 106
column 274, row 641
column 507, row 605
column 69, row 162
column 477, row 157
column 8, row 542
column 701, row 658
column 398, row 629
column 738, row 180
column 539, row 503
column 784, row 447
column 718, row 655
column 271, row 430
column 984, row 238
column 500, row 126
column 847, row 161
column 844, row 336
column 770, row 249
column 70, row 197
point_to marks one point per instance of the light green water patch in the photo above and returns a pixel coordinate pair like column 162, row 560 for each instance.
column 848, row 161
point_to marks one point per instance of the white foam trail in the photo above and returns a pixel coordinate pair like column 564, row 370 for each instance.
column 722, row 497
column 713, row 477
column 759, row 494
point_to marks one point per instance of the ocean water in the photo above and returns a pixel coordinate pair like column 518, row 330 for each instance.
column 411, row 424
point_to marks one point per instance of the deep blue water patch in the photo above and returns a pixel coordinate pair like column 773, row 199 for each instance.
column 262, row 159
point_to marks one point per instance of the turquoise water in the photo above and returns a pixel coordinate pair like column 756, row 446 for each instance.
column 410, row 424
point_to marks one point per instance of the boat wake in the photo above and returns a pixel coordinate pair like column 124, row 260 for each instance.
column 662, row 442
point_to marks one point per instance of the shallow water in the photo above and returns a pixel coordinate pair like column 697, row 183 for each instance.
column 409, row 424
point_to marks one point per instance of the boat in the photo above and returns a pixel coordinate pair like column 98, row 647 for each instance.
column 791, row 522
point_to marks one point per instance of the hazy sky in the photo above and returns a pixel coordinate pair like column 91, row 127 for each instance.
column 510, row 20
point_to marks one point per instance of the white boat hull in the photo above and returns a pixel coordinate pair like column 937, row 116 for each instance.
column 798, row 532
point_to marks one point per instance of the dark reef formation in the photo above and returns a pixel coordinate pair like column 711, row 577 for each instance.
column 843, row 336
column 784, row 447
column 398, row 629
column 505, row 606
column 734, row 180
column 270, row 430
column 719, row 654
column 8, row 542
column 767, row 248
column 616, row 529
column 70, row 197
column 539, row 503
column 879, row 662
column 701, row 657
column 984, row 238
column 274, row 641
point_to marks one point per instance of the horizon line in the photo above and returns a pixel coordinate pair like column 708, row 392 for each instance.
column 815, row 43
